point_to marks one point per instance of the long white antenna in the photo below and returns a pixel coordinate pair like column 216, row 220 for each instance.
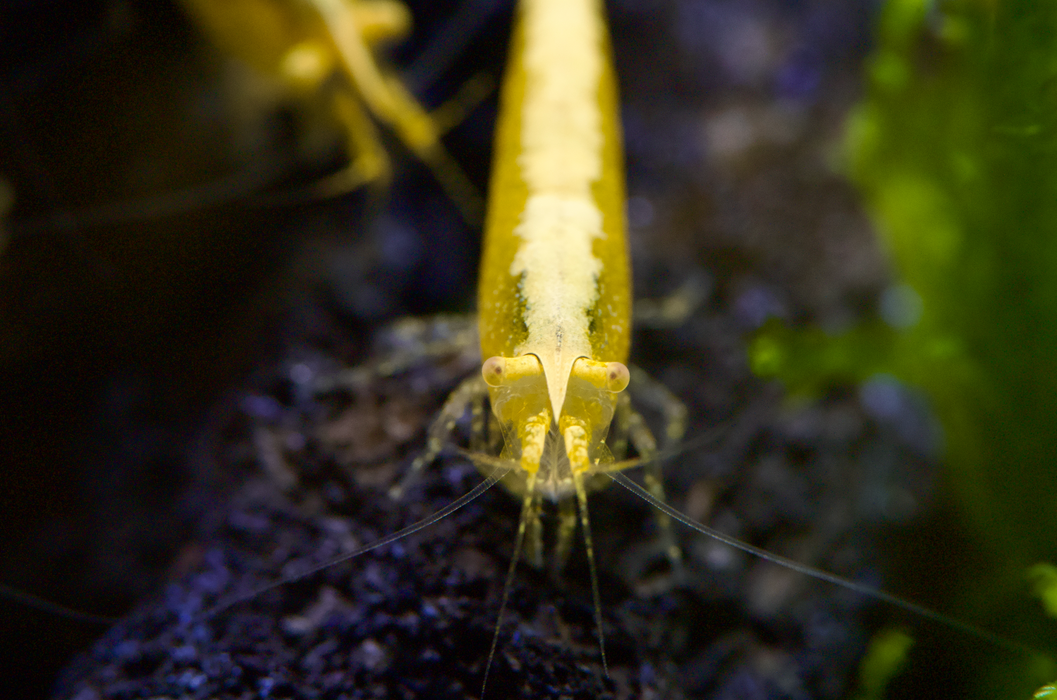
column 861, row 588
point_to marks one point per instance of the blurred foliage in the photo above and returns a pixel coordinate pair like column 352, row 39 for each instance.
column 884, row 659
column 1043, row 578
column 953, row 151
column 1046, row 691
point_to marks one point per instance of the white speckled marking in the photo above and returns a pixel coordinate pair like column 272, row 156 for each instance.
column 559, row 267
column 561, row 157
column 561, row 137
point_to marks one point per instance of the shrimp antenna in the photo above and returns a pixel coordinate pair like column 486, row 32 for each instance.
column 704, row 439
column 585, row 523
column 53, row 608
column 498, row 473
column 224, row 190
column 501, row 467
column 531, row 503
column 528, row 510
column 861, row 588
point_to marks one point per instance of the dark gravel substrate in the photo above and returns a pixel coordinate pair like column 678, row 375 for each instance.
column 733, row 116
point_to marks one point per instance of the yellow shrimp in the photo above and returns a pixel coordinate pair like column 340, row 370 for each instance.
column 324, row 54
column 303, row 43
column 554, row 294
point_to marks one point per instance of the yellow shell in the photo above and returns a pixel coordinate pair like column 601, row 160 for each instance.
column 554, row 280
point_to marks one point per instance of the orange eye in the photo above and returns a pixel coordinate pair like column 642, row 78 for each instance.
column 492, row 370
column 618, row 376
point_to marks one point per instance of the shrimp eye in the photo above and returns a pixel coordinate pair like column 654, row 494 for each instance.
column 500, row 371
column 610, row 376
column 617, row 377
column 492, row 371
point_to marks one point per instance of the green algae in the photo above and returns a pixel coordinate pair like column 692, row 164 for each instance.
column 953, row 151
